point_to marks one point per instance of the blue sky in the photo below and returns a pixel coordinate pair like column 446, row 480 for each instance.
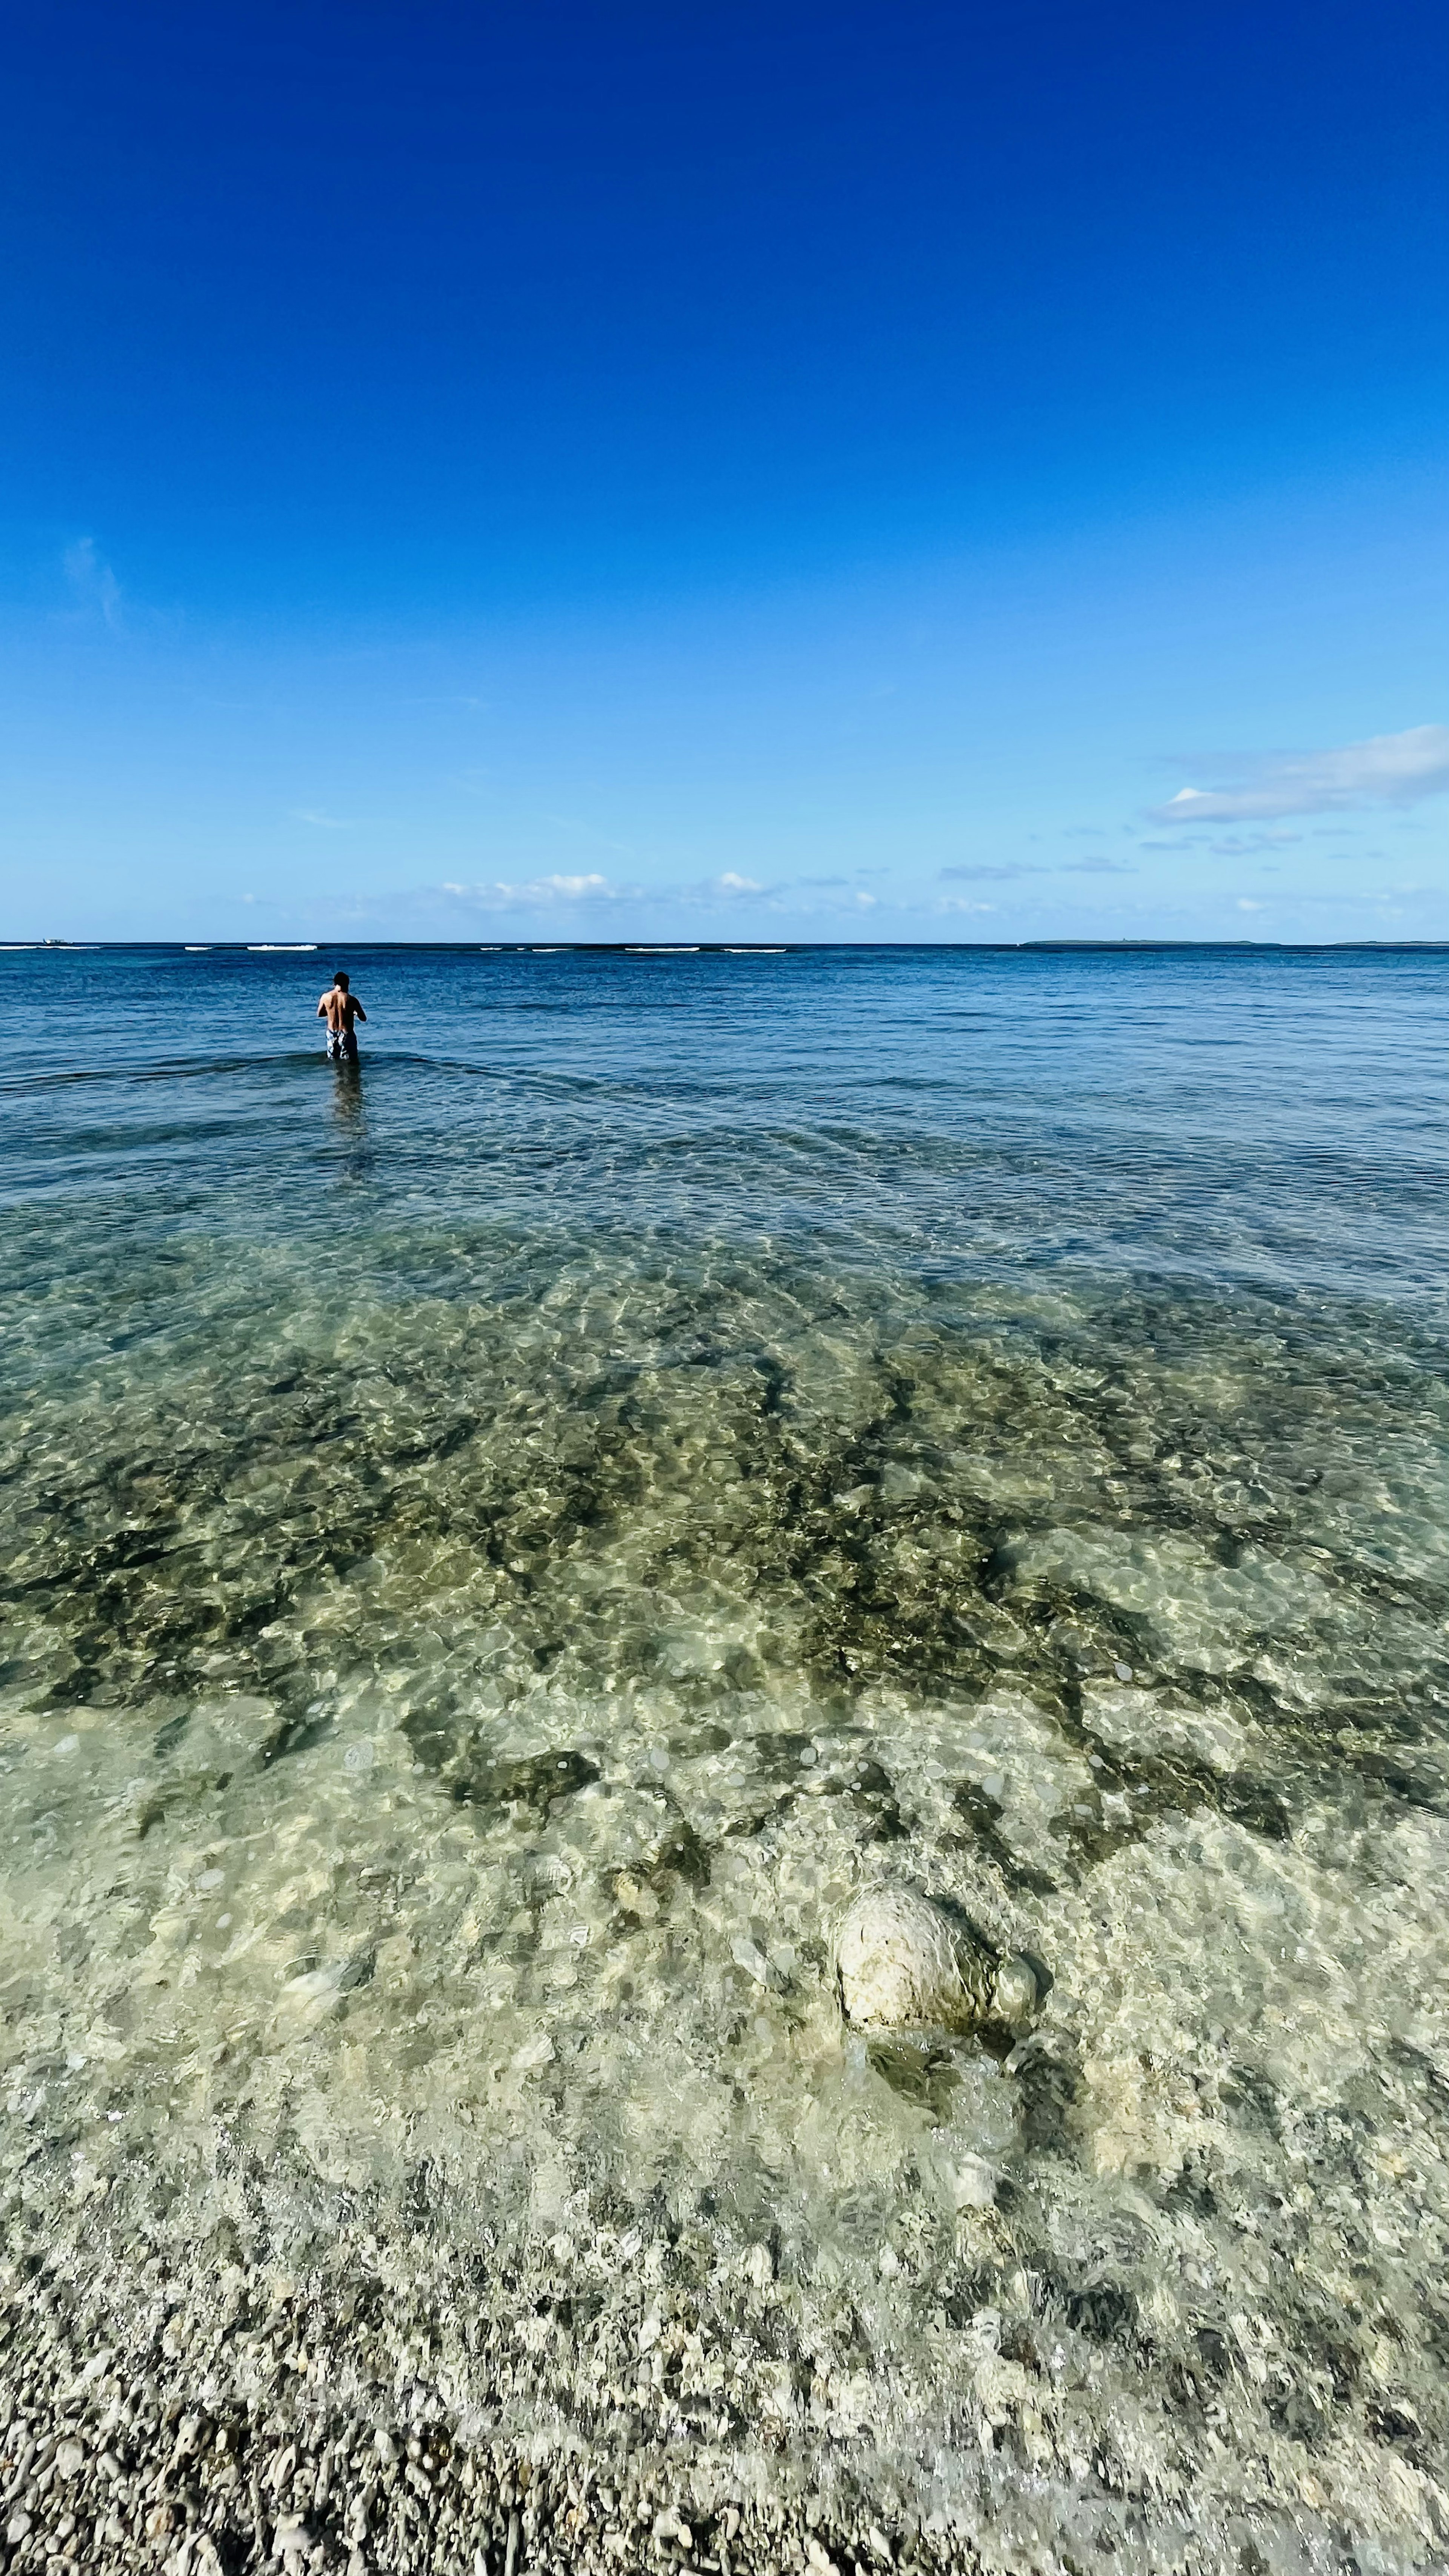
column 600, row 472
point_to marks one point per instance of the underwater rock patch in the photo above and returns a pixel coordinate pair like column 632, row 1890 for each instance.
column 530, row 1786
column 903, row 1962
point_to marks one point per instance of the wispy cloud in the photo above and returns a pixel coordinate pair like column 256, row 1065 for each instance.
column 1248, row 845
column 321, row 822
column 93, row 583
column 1389, row 769
column 502, row 895
column 562, row 889
column 994, row 875
column 1012, row 871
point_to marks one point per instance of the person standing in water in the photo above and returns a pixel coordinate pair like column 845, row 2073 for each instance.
column 341, row 1011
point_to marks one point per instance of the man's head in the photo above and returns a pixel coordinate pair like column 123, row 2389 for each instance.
column 340, row 980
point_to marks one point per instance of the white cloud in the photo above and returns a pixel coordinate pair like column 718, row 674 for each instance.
column 1389, row 769
column 92, row 580
column 322, row 822
column 729, row 883
column 503, row 896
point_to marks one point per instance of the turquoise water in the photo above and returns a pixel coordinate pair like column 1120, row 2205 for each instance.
column 500, row 1546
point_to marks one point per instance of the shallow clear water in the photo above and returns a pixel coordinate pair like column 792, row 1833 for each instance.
column 499, row 1546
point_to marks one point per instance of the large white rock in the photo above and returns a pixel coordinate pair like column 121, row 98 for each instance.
column 903, row 1962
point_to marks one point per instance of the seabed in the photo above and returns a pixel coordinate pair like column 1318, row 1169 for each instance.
column 438, row 1741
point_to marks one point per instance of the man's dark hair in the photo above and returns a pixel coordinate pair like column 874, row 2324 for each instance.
column 340, row 977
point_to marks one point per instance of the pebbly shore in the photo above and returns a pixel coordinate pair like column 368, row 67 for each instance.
column 252, row 2422
column 402, row 2407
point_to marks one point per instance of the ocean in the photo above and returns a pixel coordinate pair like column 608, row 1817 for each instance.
column 502, row 1544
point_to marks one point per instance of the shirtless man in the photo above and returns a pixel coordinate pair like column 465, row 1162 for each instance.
column 341, row 1012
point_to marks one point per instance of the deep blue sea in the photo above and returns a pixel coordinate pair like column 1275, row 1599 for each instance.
column 505, row 1545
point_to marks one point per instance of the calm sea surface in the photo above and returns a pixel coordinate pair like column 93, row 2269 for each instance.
column 500, row 1544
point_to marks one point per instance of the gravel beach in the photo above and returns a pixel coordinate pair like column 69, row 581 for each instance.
column 394, row 2406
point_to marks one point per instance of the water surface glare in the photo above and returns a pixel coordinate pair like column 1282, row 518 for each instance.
column 502, row 1543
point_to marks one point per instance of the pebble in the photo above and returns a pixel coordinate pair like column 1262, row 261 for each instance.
column 1016, row 1993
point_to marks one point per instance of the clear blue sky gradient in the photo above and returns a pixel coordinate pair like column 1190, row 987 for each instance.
column 501, row 471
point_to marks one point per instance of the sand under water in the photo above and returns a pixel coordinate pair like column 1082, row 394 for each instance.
column 499, row 1556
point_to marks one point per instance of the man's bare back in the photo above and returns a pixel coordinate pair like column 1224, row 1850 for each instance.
column 341, row 1010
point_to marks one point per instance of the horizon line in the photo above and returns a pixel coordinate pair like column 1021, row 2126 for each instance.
column 733, row 948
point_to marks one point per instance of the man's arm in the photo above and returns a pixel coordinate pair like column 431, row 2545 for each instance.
column 322, row 1008
column 358, row 1012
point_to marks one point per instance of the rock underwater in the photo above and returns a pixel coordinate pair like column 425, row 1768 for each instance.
column 903, row 1962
